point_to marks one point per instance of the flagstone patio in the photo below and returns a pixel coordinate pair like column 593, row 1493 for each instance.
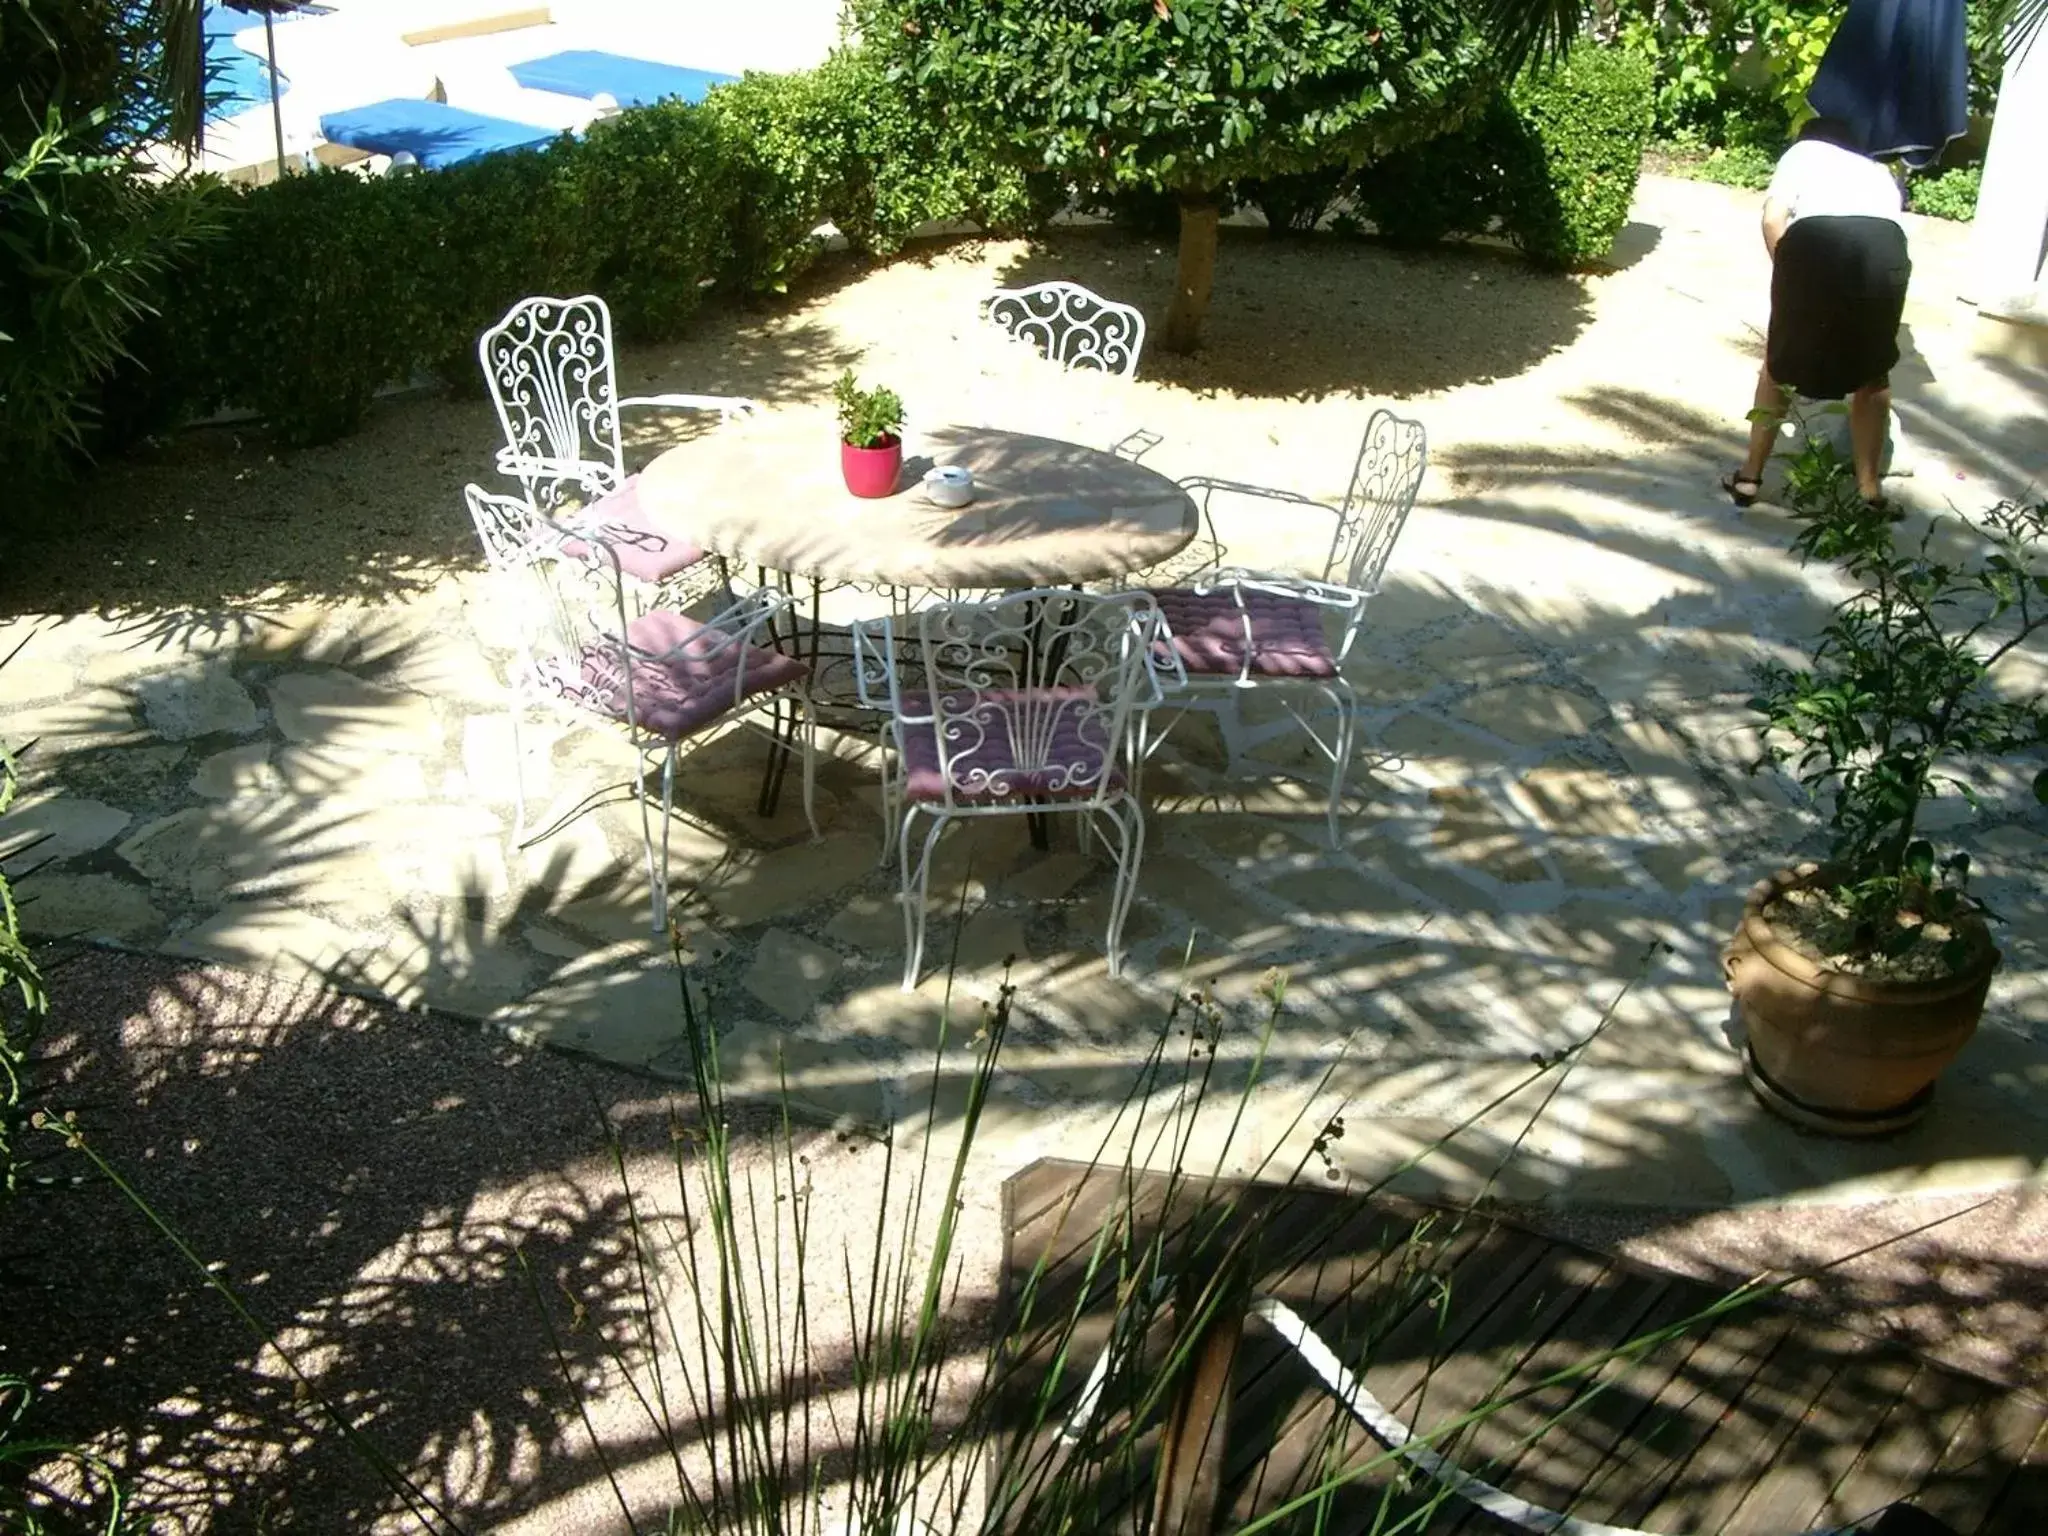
column 1558, row 802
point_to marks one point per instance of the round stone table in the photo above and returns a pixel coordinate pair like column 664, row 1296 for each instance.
column 766, row 491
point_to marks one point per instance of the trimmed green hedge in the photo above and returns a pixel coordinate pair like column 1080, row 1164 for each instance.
column 1551, row 164
column 322, row 288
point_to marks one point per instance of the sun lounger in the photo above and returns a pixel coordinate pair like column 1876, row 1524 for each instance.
column 434, row 133
column 589, row 73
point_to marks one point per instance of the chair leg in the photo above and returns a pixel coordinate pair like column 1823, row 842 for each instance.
column 1129, row 855
column 654, row 874
column 668, row 820
column 1340, row 756
column 914, row 890
column 778, row 762
column 810, row 744
column 518, row 779
column 890, row 824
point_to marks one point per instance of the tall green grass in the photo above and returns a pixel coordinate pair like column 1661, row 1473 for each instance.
column 796, row 1386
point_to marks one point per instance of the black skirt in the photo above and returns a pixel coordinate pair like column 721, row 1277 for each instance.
column 1838, row 288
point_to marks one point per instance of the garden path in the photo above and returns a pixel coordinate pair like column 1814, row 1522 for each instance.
column 317, row 775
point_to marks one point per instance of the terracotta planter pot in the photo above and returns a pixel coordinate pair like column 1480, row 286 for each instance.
column 1844, row 1054
column 872, row 472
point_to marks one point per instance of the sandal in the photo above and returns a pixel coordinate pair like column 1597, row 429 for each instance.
column 1734, row 483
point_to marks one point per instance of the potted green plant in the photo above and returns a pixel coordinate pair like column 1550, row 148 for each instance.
column 870, row 437
column 1859, row 978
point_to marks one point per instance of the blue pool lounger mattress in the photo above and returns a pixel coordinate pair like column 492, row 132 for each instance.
column 434, row 133
column 588, row 72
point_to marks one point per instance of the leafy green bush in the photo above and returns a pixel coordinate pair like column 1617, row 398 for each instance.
column 85, row 233
column 1552, row 163
column 325, row 287
column 1948, row 195
column 21, row 1006
column 1745, row 165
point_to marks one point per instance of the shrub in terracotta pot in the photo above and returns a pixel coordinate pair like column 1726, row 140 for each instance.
column 1860, row 977
column 870, row 437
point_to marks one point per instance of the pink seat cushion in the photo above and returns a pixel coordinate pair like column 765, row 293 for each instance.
column 646, row 553
column 1209, row 632
column 1024, row 744
column 677, row 694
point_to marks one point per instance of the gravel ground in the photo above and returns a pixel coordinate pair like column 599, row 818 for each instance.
column 367, row 1178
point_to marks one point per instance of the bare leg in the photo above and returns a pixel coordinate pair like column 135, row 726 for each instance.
column 1767, row 411
column 1869, row 411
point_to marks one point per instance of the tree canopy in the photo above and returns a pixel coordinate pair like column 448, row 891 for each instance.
column 1184, row 94
column 1188, row 96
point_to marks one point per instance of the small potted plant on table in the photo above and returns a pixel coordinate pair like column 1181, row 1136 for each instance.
column 870, row 437
column 1861, row 977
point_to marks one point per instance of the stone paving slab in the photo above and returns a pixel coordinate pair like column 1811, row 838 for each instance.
column 1553, row 783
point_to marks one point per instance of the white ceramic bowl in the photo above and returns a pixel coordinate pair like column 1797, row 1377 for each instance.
column 949, row 485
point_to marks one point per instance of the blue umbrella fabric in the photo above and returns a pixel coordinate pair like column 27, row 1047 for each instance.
column 1897, row 72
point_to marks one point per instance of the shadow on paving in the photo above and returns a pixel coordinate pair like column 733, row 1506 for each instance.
column 370, row 1183
column 208, row 528
column 1302, row 319
column 1491, row 898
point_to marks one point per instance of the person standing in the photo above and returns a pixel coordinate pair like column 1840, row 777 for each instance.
column 1839, row 270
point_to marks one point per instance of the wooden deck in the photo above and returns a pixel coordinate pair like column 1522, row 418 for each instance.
column 1757, row 1423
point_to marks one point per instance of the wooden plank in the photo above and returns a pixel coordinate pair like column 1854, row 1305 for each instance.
column 1753, row 1430
column 1191, row 1442
column 1758, row 1425
column 1512, row 1312
column 1904, row 1442
column 1286, row 1408
column 1487, row 1251
column 1800, row 1491
column 1991, row 1437
column 1529, row 1446
column 1678, row 1434
column 479, row 26
column 2022, row 1503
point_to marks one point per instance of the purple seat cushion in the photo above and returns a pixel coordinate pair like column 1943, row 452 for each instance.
column 646, row 553
column 1209, row 630
column 686, row 680
column 1022, row 744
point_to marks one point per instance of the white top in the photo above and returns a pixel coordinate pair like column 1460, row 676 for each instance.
column 1814, row 176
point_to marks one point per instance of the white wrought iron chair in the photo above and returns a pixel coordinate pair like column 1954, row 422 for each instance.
column 1078, row 329
column 551, row 371
column 1071, row 325
column 664, row 676
column 1235, row 629
column 1025, row 704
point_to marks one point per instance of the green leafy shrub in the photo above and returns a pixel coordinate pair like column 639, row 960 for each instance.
column 1948, row 195
column 21, row 1006
column 323, row 288
column 1744, row 165
column 1552, row 163
column 86, row 232
column 1577, row 151
column 1904, row 693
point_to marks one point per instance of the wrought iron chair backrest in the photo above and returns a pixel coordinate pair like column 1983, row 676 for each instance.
column 1384, row 482
column 549, row 368
column 1032, row 694
column 1073, row 326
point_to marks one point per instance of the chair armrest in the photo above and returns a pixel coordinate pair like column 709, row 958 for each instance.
column 874, row 663
column 1204, row 489
column 533, row 469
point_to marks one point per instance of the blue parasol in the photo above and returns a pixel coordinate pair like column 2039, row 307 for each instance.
column 1897, row 72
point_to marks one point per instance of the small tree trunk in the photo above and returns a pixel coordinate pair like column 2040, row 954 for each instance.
column 1191, row 282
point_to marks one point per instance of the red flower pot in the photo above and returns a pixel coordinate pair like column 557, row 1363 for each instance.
column 872, row 471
